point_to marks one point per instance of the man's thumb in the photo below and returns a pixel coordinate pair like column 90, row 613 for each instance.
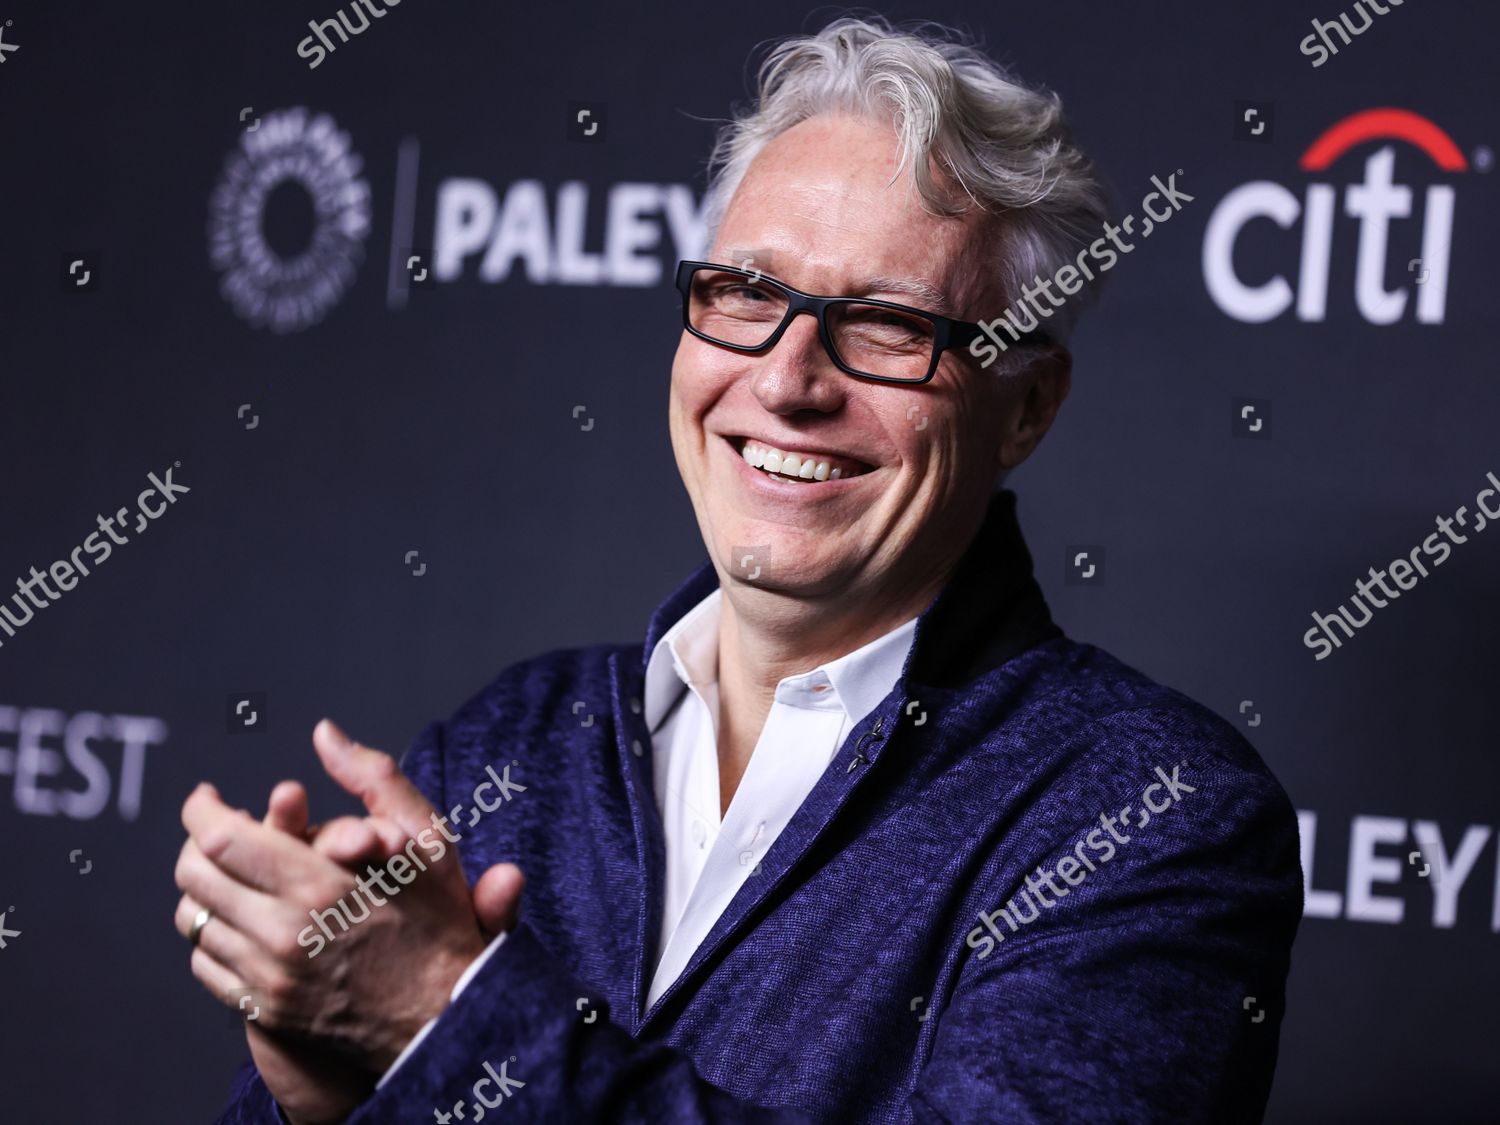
column 373, row 777
column 497, row 897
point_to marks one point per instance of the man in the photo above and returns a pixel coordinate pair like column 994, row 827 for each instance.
column 857, row 834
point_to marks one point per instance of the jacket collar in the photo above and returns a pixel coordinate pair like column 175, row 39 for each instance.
column 989, row 611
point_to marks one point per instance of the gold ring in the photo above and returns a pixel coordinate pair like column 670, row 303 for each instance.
column 199, row 921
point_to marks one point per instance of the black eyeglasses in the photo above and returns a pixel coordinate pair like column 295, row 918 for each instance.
column 869, row 339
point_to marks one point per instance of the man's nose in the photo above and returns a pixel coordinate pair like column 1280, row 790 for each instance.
column 797, row 374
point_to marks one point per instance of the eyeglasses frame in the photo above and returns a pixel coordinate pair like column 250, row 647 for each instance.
column 947, row 332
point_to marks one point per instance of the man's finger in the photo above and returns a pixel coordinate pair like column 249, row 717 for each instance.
column 287, row 810
column 232, row 902
column 373, row 777
column 393, row 838
column 251, row 852
column 497, row 897
column 221, row 941
column 215, row 977
column 348, row 840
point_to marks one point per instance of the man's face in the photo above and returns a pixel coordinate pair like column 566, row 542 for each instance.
column 819, row 210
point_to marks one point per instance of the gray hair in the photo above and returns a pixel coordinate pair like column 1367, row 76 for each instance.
column 1006, row 146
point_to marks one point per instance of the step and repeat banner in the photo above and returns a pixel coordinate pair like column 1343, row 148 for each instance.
column 335, row 355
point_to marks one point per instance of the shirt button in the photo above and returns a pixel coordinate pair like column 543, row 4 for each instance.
column 700, row 833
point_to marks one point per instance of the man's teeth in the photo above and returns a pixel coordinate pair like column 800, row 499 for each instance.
column 802, row 466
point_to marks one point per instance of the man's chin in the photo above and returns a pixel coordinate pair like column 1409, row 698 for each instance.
column 783, row 564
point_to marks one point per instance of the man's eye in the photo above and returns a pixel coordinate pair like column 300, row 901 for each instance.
column 734, row 298
column 746, row 293
column 886, row 328
column 894, row 322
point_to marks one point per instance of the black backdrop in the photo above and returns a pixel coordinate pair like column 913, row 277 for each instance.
column 442, row 416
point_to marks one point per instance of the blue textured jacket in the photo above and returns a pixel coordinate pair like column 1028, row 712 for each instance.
column 900, row 955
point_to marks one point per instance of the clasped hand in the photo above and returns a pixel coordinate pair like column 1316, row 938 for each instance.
column 334, row 1013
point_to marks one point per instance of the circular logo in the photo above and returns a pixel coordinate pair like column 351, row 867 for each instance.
column 267, row 288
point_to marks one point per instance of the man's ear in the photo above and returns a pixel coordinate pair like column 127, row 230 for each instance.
column 1039, row 389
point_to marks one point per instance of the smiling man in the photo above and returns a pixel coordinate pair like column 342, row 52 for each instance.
column 857, row 833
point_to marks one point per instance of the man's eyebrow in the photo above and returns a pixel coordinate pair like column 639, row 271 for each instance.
column 928, row 295
column 750, row 259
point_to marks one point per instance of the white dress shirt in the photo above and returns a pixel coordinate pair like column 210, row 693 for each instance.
column 709, row 858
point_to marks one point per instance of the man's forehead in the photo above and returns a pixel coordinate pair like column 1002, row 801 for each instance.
column 822, row 207
column 812, row 207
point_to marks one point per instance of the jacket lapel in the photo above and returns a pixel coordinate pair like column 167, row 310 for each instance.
column 633, row 746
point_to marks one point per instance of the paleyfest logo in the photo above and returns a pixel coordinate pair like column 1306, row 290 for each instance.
column 630, row 234
column 1376, row 203
column 288, row 293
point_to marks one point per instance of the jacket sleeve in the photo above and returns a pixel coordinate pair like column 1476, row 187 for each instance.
column 1154, row 990
column 521, row 1017
column 250, row 1103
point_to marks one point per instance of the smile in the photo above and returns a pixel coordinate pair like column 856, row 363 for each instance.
column 800, row 466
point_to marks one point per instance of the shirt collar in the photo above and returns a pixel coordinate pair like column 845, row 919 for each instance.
column 688, row 653
column 865, row 676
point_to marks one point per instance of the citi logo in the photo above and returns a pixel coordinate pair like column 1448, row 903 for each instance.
column 1375, row 202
